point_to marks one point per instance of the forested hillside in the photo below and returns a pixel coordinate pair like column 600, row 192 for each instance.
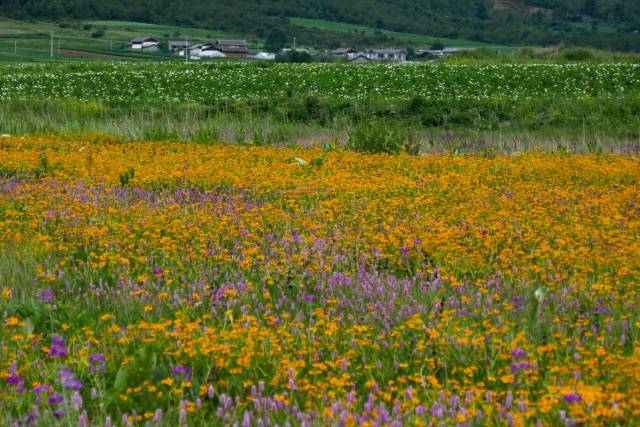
column 612, row 24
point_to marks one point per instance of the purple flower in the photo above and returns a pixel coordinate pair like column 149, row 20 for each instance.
column 72, row 384
column 57, row 347
column 15, row 380
column 77, row 400
column 308, row 298
column 520, row 366
column 69, row 380
column 157, row 417
column 518, row 353
column 45, row 295
column 55, row 399
column 44, row 388
column 97, row 362
column 157, row 271
column 572, row 398
column 182, row 370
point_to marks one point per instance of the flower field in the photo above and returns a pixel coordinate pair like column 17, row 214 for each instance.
column 183, row 284
column 180, row 83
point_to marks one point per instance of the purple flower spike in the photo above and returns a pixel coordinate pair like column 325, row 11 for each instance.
column 55, row 399
column 56, row 340
column 518, row 353
column 45, row 296
column 57, row 347
column 520, row 366
column 44, row 388
column 77, row 401
column 15, row 380
column 72, row 384
column 182, row 370
column 97, row 362
column 572, row 398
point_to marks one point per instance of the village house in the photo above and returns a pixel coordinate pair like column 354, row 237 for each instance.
column 345, row 52
column 395, row 55
column 144, row 44
column 359, row 58
column 429, row 54
column 232, row 48
column 178, row 46
column 204, row 50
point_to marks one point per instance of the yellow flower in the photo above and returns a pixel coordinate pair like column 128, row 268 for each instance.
column 507, row 379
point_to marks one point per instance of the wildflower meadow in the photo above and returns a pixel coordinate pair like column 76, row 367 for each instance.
column 165, row 283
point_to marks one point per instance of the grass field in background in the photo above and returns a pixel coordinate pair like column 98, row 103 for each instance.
column 418, row 39
column 22, row 41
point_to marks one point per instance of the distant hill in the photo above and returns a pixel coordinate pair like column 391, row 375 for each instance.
column 610, row 24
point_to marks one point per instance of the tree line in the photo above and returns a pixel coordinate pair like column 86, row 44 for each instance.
column 610, row 24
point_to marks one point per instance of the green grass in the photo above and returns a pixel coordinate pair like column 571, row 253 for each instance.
column 417, row 39
column 33, row 39
column 527, row 129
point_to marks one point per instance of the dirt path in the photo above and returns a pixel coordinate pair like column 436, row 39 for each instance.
column 92, row 55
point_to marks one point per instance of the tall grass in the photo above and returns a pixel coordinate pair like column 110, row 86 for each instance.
column 576, row 125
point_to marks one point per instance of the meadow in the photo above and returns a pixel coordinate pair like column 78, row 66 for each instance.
column 319, row 244
column 164, row 283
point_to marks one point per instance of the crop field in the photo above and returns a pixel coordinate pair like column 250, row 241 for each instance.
column 180, row 83
column 186, row 284
column 580, row 107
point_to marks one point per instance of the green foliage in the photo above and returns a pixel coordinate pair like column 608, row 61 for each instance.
column 456, row 19
column 382, row 136
column 98, row 33
column 294, row 57
column 578, row 55
column 127, row 176
column 44, row 167
column 437, row 45
column 276, row 41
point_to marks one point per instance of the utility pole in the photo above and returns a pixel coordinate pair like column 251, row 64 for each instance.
column 52, row 44
column 15, row 47
column 186, row 51
column 294, row 43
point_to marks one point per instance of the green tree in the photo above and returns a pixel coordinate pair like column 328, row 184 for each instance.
column 437, row 45
column 590, row 8
column 276, row 41
column 481, row 10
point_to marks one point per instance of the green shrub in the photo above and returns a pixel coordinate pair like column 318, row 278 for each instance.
column 127, row 176
column 382, row 136
column 578, row 55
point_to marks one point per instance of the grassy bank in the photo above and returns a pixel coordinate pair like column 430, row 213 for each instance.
column 584, row 125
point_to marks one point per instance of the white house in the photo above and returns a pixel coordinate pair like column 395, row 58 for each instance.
column 395, row 55
column 144, row 44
